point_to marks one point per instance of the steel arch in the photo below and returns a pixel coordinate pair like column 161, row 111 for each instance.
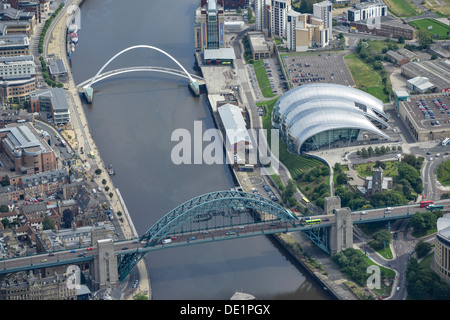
column 197, row 206
column 208, row 202
column 136, row 47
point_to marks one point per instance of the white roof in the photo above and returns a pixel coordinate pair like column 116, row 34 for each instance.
column 234, row 123
column 421, row 82
column 222, row 53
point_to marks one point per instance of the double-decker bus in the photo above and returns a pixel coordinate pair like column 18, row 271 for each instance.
column 312, row 221
column 424, row 204
column 432, row 207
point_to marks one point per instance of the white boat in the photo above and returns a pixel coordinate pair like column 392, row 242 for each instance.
column 75, row 40
column 72, row 47
column 73, row 28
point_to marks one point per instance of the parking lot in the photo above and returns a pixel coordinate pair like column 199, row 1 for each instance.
column 276, row 77
column 430, row 111
column 325, row 67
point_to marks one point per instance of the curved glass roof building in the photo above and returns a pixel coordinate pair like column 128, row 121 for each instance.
column 316, row 116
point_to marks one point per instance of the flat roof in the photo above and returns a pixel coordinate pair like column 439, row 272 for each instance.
column 418, row 116
column 57, row 66
column 57, row 96
column 222, row 54
column 258, row 42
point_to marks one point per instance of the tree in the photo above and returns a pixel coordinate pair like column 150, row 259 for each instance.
column 5, row 223
column 422, row 249
column 424, row 38
column 381, row 239
column 401, row 39
column 98, row 172
column 140, row 296
column 48, row 223
column 423, row 221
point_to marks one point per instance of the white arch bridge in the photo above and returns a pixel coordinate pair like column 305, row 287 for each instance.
column 194, row 81
column 111, row 73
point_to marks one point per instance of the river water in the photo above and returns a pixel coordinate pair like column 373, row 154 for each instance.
column 132, row 119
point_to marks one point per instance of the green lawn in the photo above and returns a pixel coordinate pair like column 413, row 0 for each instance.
column 365, row 77
column 365, row 169
column 443, row 173
column 402, row 8
column 438, row 28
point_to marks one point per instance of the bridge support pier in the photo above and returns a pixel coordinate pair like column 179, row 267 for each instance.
column 89, row 94
column 341, row 236
column 195, row 87
column 105, row 266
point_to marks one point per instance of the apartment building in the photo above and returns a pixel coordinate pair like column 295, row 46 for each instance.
column 365, row 11
column 305, row 31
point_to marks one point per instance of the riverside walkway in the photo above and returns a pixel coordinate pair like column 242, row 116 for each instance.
column 57, row 46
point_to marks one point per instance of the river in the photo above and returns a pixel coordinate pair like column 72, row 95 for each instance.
column 132, row 119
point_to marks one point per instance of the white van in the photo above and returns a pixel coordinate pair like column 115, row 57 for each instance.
column 165, row 241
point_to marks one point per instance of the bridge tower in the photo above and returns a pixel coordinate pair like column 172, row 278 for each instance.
column 341, row 236
column 105, row 266
column 331, row 204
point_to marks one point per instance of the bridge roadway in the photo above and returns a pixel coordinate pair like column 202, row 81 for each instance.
column 67, row 257
column 115, row 72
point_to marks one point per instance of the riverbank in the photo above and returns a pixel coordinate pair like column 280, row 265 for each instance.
column 57, row 46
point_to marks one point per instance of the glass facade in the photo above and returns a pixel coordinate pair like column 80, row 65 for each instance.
column 327, row 138
column 318, row 116
column 212, row 31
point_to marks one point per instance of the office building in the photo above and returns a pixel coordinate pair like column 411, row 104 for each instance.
column 17, row 66
column 259, row 46
column 52, row 101
column 26, row 149
column 14, row 45
column 17, row 89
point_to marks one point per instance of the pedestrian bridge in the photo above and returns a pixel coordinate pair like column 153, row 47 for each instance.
column 116, row 72
column 193, row 82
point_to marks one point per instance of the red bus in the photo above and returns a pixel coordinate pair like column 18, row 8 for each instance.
column 424, row 204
